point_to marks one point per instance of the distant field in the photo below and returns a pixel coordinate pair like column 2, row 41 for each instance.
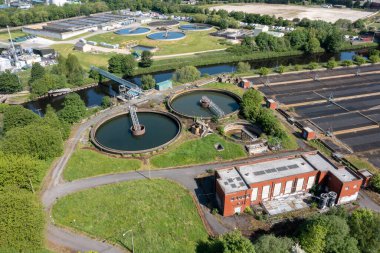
column 161, row 214
column 194, row 42
column 294, row 11
column 4, row 36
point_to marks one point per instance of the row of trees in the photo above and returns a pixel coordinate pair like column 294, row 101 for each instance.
column 28, row 144
column 44, row 13
column 336, row 231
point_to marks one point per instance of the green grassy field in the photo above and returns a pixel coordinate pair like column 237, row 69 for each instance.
column 194, row 42
column 4, row 36
column 86, row 59
column 361, row 163
column 198, row 151
column 161, row 214
column 88, row 163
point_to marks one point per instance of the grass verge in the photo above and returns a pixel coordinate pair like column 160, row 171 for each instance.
column 226, row 86
column 88, row 163
column 161, row 214
column 198, row 151
column 319, row 146
column 360, row 163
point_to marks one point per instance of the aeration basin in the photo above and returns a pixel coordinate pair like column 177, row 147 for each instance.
column 167, row 36
column 133, row 31
column 116, row 134
column 188, row 103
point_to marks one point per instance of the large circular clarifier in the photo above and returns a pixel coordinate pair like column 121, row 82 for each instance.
column 188, row 103
column 166, row 36
column 195, row 27
column 114, row 135
column 133, row 31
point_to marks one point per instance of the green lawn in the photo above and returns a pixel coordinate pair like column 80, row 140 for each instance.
column 161, row 214
column 4, row 36
column 86, row 59
column 194, row 42
column 361, row 163
column 226, row 86
column 88, row 163
column 198, row 151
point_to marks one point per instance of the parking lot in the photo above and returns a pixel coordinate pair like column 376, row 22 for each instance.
column 344, row 103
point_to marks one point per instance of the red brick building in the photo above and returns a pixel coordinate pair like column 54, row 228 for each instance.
column 271, row 179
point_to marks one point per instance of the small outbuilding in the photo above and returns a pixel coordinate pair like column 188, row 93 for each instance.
column 82, row 46
column 44, row 52
column 308, row 133
column 165, row 85
column 245, row 84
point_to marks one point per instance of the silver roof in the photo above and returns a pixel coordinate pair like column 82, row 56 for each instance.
column 231, row 181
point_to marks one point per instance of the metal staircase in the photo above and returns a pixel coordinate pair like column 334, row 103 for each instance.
column 135, row 119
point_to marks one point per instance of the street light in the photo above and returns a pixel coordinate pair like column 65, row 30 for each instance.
column 133, row 245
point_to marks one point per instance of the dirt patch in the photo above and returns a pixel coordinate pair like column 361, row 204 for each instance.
column 293, row 11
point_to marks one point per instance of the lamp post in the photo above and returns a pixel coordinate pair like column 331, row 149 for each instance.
column 133, row 245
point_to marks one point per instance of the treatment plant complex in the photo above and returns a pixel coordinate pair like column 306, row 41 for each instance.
column 168, row 127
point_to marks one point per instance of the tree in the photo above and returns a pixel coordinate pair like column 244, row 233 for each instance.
column 74, row 109
column 313, row 240
column 232, row 242
column 37, row 72
column 146, row 59
column 21, row 221
column 273, row 244
column 298, row 38
column 365, row 227
column 375, row 182
column 51, row 119
column 75, row 72
column 333, row 41
column 148, row 82
column 21, row 171
column 115, row 64
column 359, row 24
column 60, row 68
column 243, row 67
column 251, row 104
column 48, row 82
column 312, row 46
column 9, row 83
column 40, row 141
column 186, row 74
column 223, row 24
column 122, row 64
column 106, row 102
column 18, row 116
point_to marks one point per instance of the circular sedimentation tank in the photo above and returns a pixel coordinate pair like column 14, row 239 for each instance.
column 167, row 36
column 195, row 27
column 188, row 103
column 163, row 23
column 133, row 31
column 115, row 134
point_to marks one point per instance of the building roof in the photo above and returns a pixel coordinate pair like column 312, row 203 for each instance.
column 165, row 83
column 231, row 181
column 322, row 164
column 264, row 171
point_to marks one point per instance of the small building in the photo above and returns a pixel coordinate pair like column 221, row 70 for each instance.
column 256, row 148
column 271, row 104
column 245, row 84
column 44, row 52
column 165, row 85
column 5, row 64
column 366, row 176
column 308, row 133
column 82, row 46
column 274, row 179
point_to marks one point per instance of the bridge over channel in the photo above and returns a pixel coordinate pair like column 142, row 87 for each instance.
column 131, row 86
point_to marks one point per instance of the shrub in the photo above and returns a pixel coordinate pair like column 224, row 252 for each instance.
column 186, row 74
column 243, row 67
column 263, row 71
column 347, row 63
column 148, row 82
column 248, row 210
column 281, row 69
column 359, row 60
column 313, row 65
column 375, row 182
column 215, row 211
column 106, row 102
column 331, row 64
column 374, row 58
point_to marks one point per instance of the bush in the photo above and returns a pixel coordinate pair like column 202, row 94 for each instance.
column 347, row 63
column 374, row 58
column 248, row 210
column 359, row 60
column 215, row 211
column 106, row 102
column 263, row 71
column 313, row 65
column 21, row 222
column 186, row 74
column 375, row 182
column 9, row 83
column 40, row 141
column 331, row 64
column 243, row 67
column 18, row 116
column 148, row 82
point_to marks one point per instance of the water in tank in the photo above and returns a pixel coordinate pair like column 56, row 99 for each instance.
column 323, row 200
column 332, row 199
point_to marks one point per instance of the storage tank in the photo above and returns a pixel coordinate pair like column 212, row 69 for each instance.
column 323, row 200
column 332, row 199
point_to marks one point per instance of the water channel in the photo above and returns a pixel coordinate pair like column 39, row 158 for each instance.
column 93, row 96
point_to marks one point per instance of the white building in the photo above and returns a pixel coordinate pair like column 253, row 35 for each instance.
column 5, row 64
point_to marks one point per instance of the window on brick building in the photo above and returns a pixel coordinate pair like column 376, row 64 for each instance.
column 232, row 199
column 347, row 188
column 355, row 186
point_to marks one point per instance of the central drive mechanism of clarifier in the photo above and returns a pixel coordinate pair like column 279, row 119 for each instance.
column 136, row 129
